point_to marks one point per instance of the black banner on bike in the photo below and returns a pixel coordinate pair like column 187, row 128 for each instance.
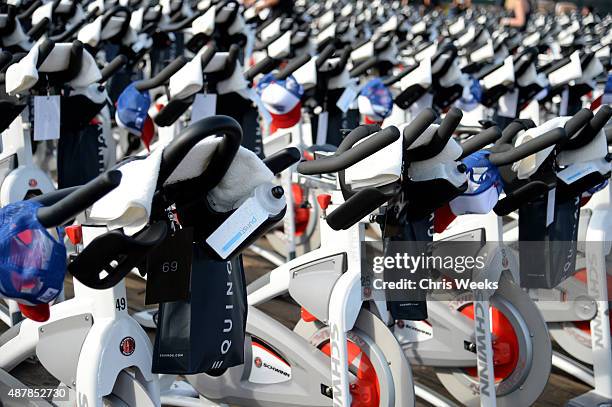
column 206, row 333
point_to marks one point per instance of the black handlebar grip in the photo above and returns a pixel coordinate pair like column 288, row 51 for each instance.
column 577, row 122
column 450, row 123
column 480, row 140
column 327, row 52
column 208, row 55
column 602, row 117
column 66, row 35
column 514, row 128
column 44, row 50
column 27, row 14
column 591, row 129
column 112, row 67
column 49, row 198
column 163, row 76
column 283, row 159
column 393, row 79
column 553, row 66
column 5, row 60
column 608, row 131
column 358, row 133
column 181, row 24
column 345, row 159
column 355, row 208
column 264, row 66
column 176, row 151
column 526, row 149
column 39, row 29
column 79, row 200
column 112, row 12
column 418, row 126
column 363, row 67
column 293, row 66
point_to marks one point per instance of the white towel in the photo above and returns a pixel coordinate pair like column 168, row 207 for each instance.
column 381, row 168
column 442, row 165
column 44, row 11
column 187, row 80
column 22, row 75
column 90, row 33
column 245, row 173
column 530, row 164
column 204, row 24
column 129, row 205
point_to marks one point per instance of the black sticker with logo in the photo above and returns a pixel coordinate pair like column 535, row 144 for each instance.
column 127, row 346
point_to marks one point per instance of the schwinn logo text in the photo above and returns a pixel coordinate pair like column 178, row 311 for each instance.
column 259, row 364
column 335, row 365
column 483, row 369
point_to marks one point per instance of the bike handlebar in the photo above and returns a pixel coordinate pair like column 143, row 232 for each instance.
column 78, row 200
column 263, row 66
column 364, row 201
column 363, row 67
column 590, row 130
column 577, row 122
column 346, row 156
column 480, row 140
column 177, row 150
column 325, row 54
column 39, row 29
column 514, row 128
column 163, row 76
column 44, row 50
column 112, row 67
column 526, row 149
column 292, row 66
column 27, row 14
column 5, row 60
column 418, row 126
column 66, row 35
column 283, row 159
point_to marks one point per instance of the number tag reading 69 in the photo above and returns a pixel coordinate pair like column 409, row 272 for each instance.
column 169, row 268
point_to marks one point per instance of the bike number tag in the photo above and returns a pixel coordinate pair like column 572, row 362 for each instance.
column 508, row 104
column 550, row 207
column 204, row 105
column 347, row 98
column 260, row 106
column 46, row 117
column 169, row 268
column 322, row 128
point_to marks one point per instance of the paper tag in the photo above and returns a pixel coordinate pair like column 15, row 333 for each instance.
column 169, row 268
column 550, row 207
column 347, row 97
column 46, row 117
column 237, row 228
column 421, row 104
column 204, row 105
column 508, row 104
column 531, row 111
column 254, row 96
column 564, row 102
column 322, row 128
column 576, row 171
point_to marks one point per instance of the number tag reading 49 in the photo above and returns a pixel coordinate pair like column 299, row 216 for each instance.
column 169, row 269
